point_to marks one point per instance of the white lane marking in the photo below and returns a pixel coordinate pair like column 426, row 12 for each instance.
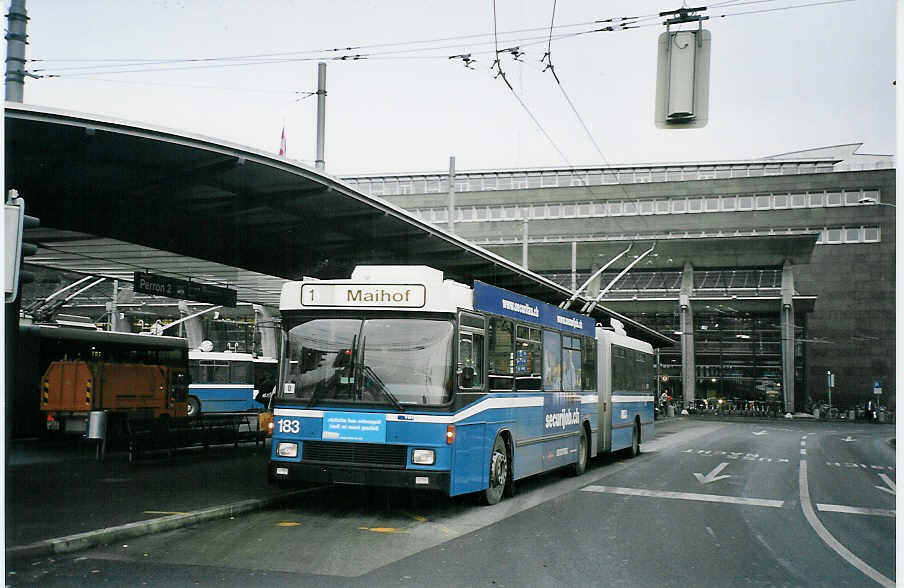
column 713, row 475
column 803, row 443
column 848, row 439
column 685, row 496
column 737, row 455
column 892, row 489
column 758, row 433
column 827, row 537
column 879, row 512
column 803, row 451
column 848, row 464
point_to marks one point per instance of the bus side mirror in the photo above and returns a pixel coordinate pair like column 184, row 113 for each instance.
column 466, row 379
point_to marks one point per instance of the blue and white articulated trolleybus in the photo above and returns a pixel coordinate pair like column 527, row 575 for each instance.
column 397, row 377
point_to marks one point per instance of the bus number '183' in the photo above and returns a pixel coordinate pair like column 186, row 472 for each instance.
column 289, row 426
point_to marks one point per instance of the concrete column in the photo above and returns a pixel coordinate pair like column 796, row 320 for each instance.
column 688, row 365
column 267, row 325
column 194, row 332
column 788, row 336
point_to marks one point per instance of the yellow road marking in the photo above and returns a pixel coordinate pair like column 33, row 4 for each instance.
column 288, row 524
column 388, row 530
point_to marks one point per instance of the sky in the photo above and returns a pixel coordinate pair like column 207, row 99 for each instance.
column 781, row 79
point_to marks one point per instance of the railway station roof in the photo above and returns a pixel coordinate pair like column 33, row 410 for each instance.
column 115, row 197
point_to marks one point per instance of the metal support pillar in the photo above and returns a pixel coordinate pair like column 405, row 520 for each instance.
column 16, row 40
column 688, row 365
column 319, row 163
column 267, row 325
column 194, row 332
column 452, row 194
column 574, row 265
column 787, row 321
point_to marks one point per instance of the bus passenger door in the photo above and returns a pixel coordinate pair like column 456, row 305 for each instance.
column 604, row 385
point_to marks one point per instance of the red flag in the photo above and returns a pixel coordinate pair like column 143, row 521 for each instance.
column 282, row 143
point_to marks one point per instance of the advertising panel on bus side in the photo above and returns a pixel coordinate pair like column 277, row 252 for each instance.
column 506, row 303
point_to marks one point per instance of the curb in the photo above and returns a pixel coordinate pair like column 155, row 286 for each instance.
column 88, row 539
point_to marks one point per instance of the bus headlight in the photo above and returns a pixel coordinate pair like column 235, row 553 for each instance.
column 287, row 449
column 423, row 457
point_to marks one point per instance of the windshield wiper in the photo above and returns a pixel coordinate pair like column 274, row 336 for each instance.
column 369, row 373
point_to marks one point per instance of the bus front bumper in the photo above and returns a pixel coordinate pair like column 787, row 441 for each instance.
column 281, row 472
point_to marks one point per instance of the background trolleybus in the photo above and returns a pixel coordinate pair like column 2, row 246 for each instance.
column 397, row 377
column 223, row 382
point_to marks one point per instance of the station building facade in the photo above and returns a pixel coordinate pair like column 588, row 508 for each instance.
column 768, row 272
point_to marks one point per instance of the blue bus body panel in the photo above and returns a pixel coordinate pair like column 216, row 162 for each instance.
column 624, row 414
column 226, row 398
column 544, row 428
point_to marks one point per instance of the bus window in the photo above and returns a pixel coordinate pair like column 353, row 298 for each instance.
column 501, row 340
column 571, row 363
column 240, row 372
column 528, row 359
column 470, row 361
column 588, row 366
column 552, row 361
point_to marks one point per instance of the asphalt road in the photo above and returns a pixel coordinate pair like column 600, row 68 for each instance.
column 708, row 503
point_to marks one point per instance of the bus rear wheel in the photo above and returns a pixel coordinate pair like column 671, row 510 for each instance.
column 634, row 450
column 580, row 466
column 194, row 406
column 499, row 474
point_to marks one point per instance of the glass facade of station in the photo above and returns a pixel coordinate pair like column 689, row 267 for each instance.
column 737, row 357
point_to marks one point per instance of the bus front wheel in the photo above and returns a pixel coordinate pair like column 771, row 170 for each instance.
column 194, row 406
column 499, row 474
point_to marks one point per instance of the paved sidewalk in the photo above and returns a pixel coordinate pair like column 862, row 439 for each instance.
column 54, row 493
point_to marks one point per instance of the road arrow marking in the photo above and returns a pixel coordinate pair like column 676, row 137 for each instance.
column 758, row 433
column 891, row 485
column 848, row 439
column 713, row 475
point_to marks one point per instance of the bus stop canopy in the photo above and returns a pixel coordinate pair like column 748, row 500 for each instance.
column 115, row 197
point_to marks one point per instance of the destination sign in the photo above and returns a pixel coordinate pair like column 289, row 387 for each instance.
column 183, row 289
column 364, row 295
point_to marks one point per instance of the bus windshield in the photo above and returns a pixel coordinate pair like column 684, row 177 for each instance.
column 376, row 360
